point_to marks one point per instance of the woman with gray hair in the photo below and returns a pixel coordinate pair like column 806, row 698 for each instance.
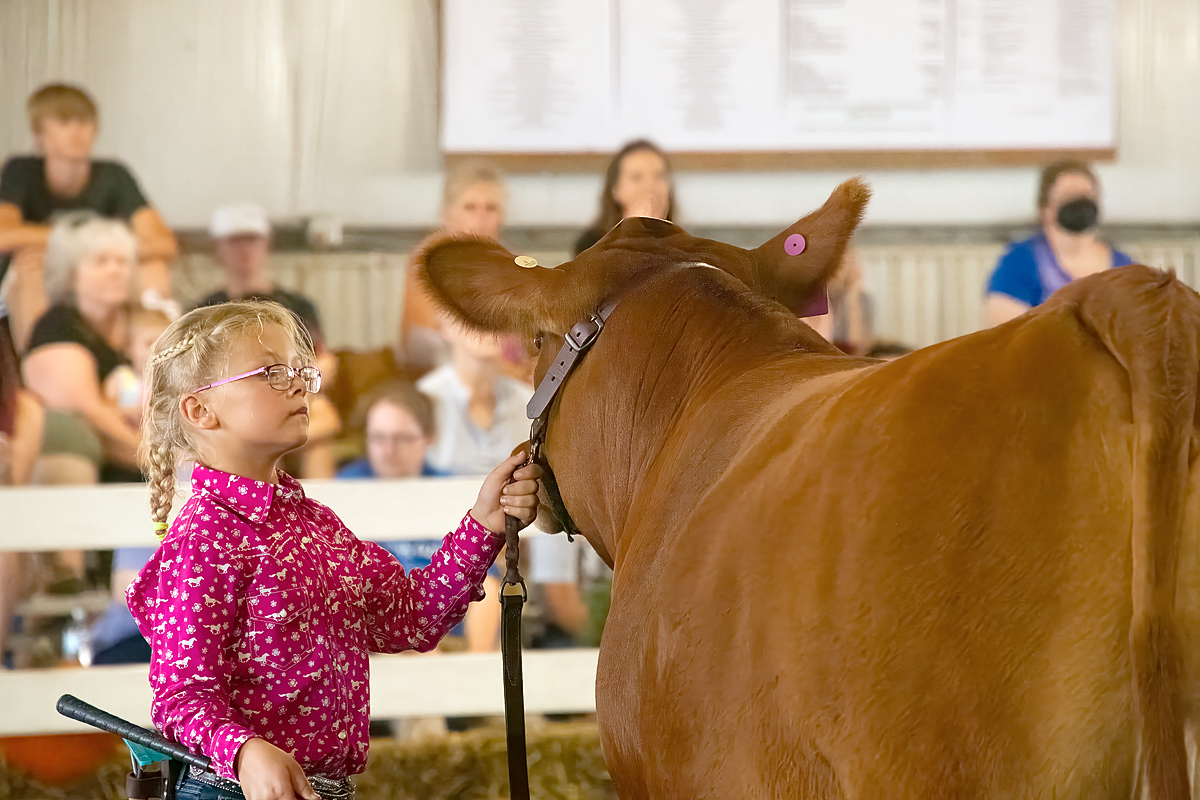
column 78, row 343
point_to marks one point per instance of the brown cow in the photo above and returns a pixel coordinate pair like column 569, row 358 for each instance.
column 953, row 575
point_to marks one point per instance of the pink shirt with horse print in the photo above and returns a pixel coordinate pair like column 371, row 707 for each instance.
column 260, row 607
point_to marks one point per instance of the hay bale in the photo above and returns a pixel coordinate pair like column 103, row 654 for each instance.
column 107, row 783
column 564, row 764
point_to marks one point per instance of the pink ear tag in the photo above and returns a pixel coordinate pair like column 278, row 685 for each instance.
column 794, row 245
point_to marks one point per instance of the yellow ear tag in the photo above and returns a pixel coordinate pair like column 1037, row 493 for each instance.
column 526, row 262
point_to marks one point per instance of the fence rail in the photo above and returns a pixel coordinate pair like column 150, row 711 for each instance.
column 452, row 684
column 921, row 293
column 103, row 517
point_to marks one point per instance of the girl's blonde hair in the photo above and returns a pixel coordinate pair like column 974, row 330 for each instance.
column 193, row 352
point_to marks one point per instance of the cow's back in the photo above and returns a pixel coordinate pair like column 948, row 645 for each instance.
column 911, row 580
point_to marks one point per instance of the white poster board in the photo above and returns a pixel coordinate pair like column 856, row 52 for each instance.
column 583, row 76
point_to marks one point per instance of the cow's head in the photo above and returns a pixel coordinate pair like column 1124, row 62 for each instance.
column 484, row 286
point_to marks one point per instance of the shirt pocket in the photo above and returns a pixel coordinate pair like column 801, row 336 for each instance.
column 280, row 627
column 354, row 626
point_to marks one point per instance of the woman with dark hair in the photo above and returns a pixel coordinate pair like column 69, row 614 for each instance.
column 638, row 183
column 1068, row 246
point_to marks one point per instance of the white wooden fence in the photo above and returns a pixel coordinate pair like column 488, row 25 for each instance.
column 921, row 293
column 458, row 684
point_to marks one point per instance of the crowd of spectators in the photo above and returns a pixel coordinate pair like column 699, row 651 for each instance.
column 85, row 290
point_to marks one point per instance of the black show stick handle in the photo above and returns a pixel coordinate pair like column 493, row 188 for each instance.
column 71, row 706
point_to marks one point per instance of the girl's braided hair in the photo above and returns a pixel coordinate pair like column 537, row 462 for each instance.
column 192, row 352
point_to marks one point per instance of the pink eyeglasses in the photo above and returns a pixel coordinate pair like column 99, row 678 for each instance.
column 279, row 376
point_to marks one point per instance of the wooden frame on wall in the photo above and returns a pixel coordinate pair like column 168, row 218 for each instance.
column 753, row 161
column 750, row 160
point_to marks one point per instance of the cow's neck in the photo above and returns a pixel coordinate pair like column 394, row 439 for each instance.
column 658, row 401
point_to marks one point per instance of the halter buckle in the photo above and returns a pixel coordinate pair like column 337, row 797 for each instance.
column 584, row 332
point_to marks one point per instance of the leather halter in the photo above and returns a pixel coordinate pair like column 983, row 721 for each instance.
column 577, row 342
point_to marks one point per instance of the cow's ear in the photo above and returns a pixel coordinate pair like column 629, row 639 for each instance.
column 797, row 263
column 487, row 288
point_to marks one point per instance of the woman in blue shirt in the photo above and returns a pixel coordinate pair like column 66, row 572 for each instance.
column 399, row 427
column 1067, row 247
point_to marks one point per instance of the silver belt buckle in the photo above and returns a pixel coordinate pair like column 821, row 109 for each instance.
column 331, row 789
column 328, row 789
column 213, row 779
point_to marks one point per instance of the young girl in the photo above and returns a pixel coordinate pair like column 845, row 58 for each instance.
column 126, row 385
column 260, row 606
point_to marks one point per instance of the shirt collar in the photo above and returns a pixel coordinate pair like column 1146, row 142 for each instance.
column 249, row 498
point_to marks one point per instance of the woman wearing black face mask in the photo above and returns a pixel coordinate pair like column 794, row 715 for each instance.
column 1068, row 247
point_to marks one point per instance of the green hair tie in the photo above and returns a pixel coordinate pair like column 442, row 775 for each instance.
column 160, row 530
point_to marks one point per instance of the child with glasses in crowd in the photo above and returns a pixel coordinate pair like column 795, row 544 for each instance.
column 260, row 606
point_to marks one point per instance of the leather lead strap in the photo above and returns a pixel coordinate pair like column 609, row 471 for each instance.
column 512, row 599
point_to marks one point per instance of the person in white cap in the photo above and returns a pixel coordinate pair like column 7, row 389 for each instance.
column 241, row 234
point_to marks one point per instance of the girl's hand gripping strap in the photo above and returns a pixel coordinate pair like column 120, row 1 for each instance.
column 512, row 599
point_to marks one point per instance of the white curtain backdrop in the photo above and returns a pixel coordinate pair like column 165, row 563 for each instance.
column 296, row 105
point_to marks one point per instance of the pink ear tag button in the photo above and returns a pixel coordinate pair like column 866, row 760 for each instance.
column 794, row 245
